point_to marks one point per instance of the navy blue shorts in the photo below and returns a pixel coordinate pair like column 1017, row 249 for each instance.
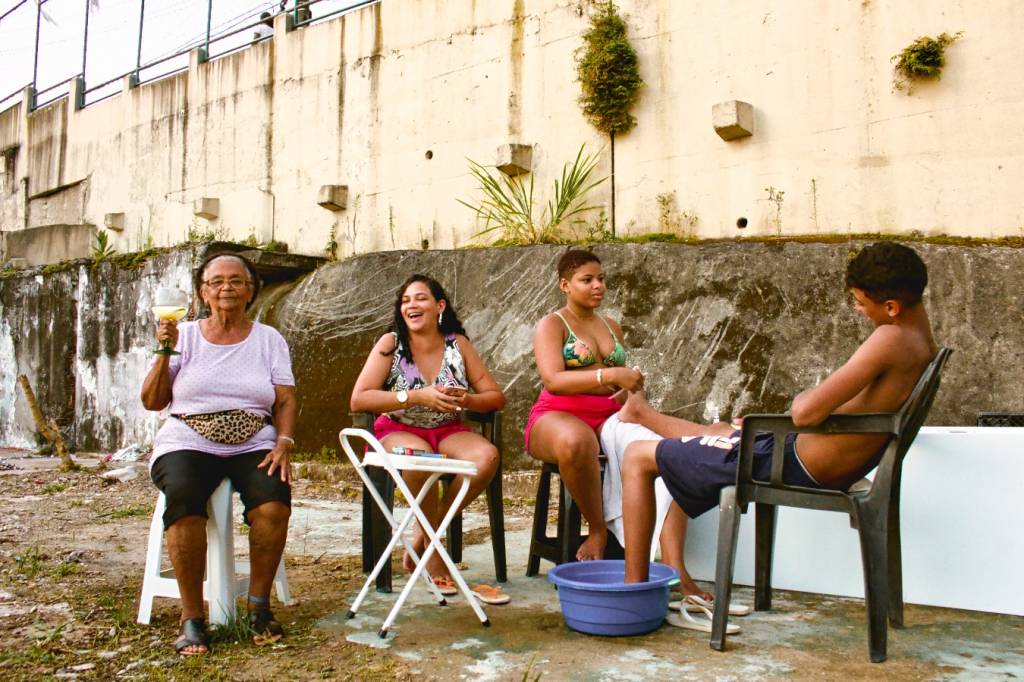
column 187, row 478
column 695, row 469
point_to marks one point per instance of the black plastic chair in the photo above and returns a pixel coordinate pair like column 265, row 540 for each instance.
column 873, row 507
column 560, row 548
column 376, row 532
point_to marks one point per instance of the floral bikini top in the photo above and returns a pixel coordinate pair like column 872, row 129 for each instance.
column 577, row 353
column 405, row 375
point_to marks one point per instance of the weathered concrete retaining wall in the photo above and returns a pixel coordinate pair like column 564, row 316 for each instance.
column 749, row 325
column 84, row 338
column 391, row 99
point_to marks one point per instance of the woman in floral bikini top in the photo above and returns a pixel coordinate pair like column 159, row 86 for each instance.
column 582, row 363
column 419, row 378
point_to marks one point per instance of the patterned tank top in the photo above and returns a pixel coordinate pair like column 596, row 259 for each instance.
column 405, row 375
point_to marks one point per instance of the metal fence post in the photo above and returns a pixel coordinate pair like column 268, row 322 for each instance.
column 35, row 59
column 85, row 38
column 138, row 52
column 209, row 18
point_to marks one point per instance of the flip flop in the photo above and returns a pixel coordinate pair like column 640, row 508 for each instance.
column 683, row 619
column 695, row 603
column 490, row 594
column 193, row 633
column 445, row 585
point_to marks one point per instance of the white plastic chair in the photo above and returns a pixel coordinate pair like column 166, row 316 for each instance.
column 226, row 578
column 377, row 456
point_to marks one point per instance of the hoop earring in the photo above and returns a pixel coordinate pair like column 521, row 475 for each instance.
column 440, row 318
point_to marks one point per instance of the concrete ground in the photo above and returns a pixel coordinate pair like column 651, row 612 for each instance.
column 805, row 635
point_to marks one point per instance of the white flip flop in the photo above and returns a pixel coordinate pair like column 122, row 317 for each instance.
column 694, row 604
column 683, row 619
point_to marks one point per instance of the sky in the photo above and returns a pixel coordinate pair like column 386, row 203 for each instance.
column 168, row 26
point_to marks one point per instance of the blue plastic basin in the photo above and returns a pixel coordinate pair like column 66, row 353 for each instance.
column 595, row 600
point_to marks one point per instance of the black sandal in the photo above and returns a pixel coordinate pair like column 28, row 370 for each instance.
column 261, row 618
column 193, row 633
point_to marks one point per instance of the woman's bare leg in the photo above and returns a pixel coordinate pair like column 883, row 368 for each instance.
column 415, row 481
column 469, row 447
column 562, row 439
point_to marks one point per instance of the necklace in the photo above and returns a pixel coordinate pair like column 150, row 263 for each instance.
column 579, row 317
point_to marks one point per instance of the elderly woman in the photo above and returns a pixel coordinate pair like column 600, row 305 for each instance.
column 231, row 395
column 418, row 377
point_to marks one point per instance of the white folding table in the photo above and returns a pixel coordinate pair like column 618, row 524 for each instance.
column 377, row 456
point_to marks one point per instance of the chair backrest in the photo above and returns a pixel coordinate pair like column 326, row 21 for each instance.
column 915, row 410
column 910, row 417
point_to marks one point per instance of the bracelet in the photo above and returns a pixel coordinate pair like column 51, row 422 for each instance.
column 599, row 382
column 287, row 438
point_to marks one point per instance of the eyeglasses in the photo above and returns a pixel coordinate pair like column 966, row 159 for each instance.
column 235, row 282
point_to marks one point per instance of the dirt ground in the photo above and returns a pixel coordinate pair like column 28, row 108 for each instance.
column 72, row 548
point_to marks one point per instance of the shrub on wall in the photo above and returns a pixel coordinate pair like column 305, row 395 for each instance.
column 608, row 71
column 923, row 59
column 609, row 74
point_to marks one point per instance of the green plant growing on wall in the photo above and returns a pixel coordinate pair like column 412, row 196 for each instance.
column 251, row 240
column 331, row 248
column 776, row 197
column 509, row 208
column 608, row 71
column 102, row 249
column 197, row 236
column 923, row 59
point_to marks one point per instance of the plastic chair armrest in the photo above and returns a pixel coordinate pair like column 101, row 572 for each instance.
column 781, row 425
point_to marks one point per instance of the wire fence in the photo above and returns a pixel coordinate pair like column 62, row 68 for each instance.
column 46, row 45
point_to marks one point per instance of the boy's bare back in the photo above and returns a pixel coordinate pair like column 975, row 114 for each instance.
column 880, row 375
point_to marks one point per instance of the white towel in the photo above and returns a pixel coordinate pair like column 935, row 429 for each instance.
column 615, row 436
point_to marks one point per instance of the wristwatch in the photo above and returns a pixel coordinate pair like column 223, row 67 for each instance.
column 403, row 397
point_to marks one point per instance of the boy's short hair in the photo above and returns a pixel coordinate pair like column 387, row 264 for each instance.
column 888, row 271
column 572, row 260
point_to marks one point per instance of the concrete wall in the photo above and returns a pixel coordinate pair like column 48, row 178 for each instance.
column 699, row 320
column 740, row 324
column 361, row 100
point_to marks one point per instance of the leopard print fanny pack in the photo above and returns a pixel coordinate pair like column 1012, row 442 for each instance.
column 229, row 427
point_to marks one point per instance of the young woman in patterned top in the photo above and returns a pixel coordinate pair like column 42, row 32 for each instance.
column 419, row 378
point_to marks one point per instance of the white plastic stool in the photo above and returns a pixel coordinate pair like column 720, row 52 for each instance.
column 226, row 579
column 395, row 464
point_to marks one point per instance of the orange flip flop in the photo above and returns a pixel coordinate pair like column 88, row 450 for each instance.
column 489, row 594
column 445, row 585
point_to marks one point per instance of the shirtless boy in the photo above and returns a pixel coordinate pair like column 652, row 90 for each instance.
column 886, row 281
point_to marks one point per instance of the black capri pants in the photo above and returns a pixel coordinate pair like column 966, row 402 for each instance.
column 187, row 478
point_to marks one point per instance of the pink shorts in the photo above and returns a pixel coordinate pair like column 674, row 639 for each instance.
column 385, row 426
column 592, row 410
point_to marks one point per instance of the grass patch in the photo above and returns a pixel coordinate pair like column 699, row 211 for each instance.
column 118, row 608
column 131, row 511
column 939, row 239
column 136, row 259
column 54, row 488
column 326, row 455
column 30, row 562
column 66, row 568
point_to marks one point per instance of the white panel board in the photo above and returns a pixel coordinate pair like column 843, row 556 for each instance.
column 962, row 522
